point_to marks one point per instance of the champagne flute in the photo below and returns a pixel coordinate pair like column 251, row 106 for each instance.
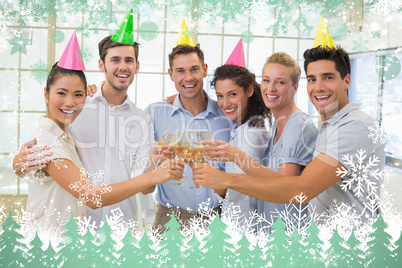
column 181, row 146
column 196, row 153
column 168, row 138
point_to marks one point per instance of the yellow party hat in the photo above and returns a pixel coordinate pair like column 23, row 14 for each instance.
column 322, row 37
column 185, row 37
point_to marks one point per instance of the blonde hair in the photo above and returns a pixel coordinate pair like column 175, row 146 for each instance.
column 286, row 60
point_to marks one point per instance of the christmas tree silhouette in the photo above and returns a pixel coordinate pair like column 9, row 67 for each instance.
column 51, row 257
column 243, row 253
column 193, row 254
column 128, row 251
column 36, row 254
column 380, row 246
column 279, row 244
column 259, row 257
column 106, row 247
column 88, row 256
column 296, row 249
column 336, row 254
column 146, row 256
column 219, row 250
column 397, row 254
column 354, row 256
column 313, row 251
column 173, row 243
column 13, row 252
column 71, row 246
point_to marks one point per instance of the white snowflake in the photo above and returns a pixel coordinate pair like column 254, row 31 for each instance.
column 361, row 177
column 296, row 214
column 377, row 134
column 88, row 192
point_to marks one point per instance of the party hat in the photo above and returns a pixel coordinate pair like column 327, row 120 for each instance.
column 185, row 37
column 237, row 56
column 125, row 34
column 72, row 58
column 322, row 37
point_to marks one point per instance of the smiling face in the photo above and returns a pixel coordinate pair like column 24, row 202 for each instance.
column 277, row 88
column 232, row 99
column 188, row 73
column 119, row 66
column 65, row 100
column 326, row 89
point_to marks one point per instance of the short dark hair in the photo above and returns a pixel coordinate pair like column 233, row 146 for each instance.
column 107, row 43
column 185, row 50
column 338, row 55
column 58, row 71
column 257, row 111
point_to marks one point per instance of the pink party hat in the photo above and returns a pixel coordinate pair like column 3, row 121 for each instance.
column 72, row 58
column 237, row 56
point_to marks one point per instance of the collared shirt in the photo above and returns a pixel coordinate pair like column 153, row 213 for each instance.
column 164, row 114
column 296, row 145
column 49, row 203
column 112, row 141
column 345, row 138
column 253, row 141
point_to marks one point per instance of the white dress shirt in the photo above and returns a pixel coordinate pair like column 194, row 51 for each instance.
column 113, row 144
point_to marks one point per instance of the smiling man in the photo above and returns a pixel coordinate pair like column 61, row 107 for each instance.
column 191, row 108
column 344, row 133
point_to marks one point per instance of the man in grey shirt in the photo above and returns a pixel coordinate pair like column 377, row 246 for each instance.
column 347, row 165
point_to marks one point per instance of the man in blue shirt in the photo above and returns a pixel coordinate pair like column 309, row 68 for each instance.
column 191, row 107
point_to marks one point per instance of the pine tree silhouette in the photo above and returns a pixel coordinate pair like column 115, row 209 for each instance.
column 106, row 247
column 71, row 246
column 193, row 254
column 146, row 255
column 12, row 252
column 313, row 250
column 260, row 258
column 336, row 254
column 128, row 251
column 278, row 245
column 354, row 256
column 51, row 257
column 173, row 243
column 88, row 256
column 36, row 254
column 219, row 250
column 243, row 253
column 397, row 254
column 296, row 248
column 380, row 247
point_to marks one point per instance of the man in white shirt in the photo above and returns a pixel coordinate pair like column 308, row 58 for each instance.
column 113, row 136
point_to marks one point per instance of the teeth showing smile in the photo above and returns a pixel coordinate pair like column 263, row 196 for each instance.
column 122, row 75
column 319, row 98
column 231, row 110
column 271, row 97
column 189, row 86
column 68, row 112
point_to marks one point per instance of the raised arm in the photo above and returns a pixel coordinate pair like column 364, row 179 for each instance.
column 66, row 174
column 318, row 176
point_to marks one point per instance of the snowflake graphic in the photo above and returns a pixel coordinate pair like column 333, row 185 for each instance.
column 296, row 215
column 377, row 134
column 87, row 54
column 383, row 8
column 361, row 175
column 88, row 192
column 360, row 44
column 39, row 71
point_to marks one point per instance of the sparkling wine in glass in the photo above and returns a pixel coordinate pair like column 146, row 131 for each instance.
column 196, row 153
column 181, row 147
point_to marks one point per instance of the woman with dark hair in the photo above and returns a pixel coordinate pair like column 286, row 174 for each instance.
column 239, row 96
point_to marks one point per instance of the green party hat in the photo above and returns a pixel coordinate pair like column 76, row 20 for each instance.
column 125, row 33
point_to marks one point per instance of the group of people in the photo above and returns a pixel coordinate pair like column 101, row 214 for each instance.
column 250, row 167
